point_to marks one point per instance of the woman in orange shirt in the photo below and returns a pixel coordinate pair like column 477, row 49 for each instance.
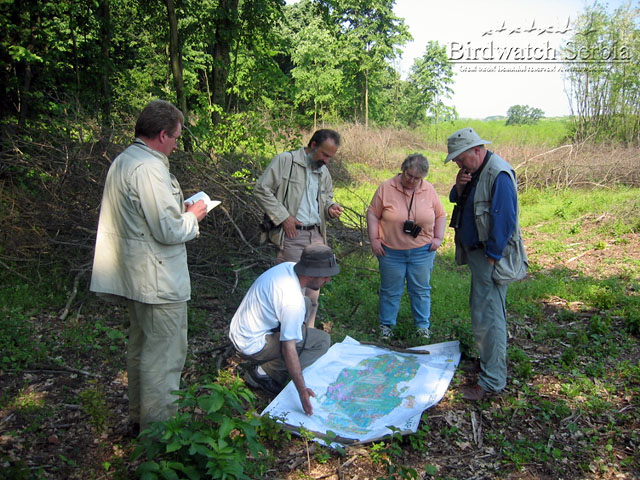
column 406, row 222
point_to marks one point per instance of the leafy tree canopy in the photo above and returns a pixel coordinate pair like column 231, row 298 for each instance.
column 523, row 115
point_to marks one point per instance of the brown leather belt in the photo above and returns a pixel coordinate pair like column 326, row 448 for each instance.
column 306, row 228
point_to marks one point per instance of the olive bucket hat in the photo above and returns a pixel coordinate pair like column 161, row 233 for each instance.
column 317, row 261
column 461, row 141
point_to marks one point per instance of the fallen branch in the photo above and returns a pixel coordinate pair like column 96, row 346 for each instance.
column 477, row 429
column 57, row 371
column 74, row 292
column 543, row 154
column 212, row 349
column 238, row 270
column 577, row 256
column 235, row 226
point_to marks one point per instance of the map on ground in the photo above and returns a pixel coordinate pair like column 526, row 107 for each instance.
column 362, row 389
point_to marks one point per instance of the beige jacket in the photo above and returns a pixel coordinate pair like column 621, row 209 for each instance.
column 140, row 247
column 271, row 187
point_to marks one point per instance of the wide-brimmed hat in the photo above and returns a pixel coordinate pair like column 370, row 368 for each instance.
column 317, row 261
column 461, row 141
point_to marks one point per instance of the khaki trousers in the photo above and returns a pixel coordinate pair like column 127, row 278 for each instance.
column 155, row 358
column 314, row 344
column 292, row 248
column 488, row 321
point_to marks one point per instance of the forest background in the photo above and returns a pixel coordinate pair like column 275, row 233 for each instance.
column 256, row 77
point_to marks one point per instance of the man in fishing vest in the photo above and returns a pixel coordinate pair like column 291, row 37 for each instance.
column 488, row 239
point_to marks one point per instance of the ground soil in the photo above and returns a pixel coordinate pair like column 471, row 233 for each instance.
column 62, row 443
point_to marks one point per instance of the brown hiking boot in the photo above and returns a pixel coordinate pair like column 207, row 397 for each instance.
column 474, row 393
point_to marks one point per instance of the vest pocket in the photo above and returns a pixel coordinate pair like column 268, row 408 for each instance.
column 482, row 211
column 513, row 264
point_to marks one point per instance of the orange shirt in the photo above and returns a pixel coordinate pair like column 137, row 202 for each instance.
column 390, row 204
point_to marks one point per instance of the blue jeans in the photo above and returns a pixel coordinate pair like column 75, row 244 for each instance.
column 415, row 266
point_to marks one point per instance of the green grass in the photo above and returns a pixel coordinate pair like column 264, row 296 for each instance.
column 549, row 132
column 559, row 211
column 19, row 301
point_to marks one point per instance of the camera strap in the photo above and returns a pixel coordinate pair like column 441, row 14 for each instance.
column 409, row 207
column 286, row 192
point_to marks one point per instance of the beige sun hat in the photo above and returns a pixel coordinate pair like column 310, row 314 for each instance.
column 461, row 141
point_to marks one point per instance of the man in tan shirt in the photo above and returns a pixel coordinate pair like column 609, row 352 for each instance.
column 296, row 193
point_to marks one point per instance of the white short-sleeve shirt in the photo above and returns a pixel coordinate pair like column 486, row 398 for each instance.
column 275, row 299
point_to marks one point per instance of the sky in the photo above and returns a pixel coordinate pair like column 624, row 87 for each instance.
column 530, row 28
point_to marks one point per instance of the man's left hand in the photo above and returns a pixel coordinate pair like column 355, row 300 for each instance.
column 335, row 210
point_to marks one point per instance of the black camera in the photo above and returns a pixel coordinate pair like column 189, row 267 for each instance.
column 410, row 228
column 267, row 224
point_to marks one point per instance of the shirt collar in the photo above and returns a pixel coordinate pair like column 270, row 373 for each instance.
column 159, row 155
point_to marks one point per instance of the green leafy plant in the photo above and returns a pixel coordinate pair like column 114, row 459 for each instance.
column 418, row 440
column 388, row 454
column 271, row 431
column 95, row 405
column 322, row 455
column 210, row 438
column 568, row 357
column 598, row 325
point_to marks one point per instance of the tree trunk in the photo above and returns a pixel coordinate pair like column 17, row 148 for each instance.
column 226, row 32
column 104, row 16
column 176, row 68
column 366, row 99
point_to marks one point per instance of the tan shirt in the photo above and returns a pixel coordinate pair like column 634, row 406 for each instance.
column 140, row 246
column 390, row 204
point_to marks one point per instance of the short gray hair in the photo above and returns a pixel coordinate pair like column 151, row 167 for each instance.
column 417, row 161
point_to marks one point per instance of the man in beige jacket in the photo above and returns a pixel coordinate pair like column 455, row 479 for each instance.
column 296, row 193
column 140, row 257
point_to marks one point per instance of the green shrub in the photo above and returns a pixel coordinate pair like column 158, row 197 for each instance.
column 95, row 405
column 210, row 438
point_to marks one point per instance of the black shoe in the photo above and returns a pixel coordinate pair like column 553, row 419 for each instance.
column 132, row 430
column 265, row 382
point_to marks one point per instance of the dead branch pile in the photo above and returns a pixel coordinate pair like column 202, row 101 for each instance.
column 50, row 193
column 581, row 165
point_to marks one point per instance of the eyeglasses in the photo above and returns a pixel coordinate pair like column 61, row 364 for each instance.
column 413, row 178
